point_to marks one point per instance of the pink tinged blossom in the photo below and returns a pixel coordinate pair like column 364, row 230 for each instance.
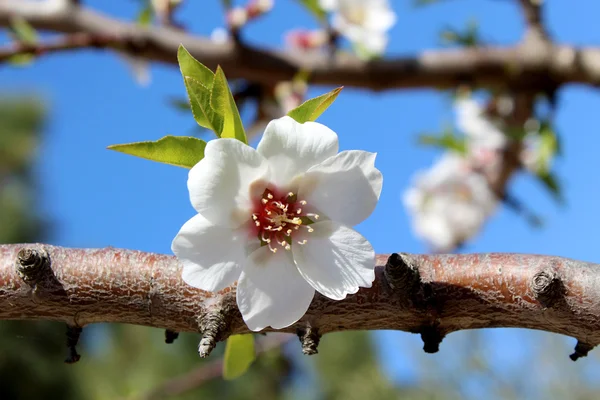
column 278, row 220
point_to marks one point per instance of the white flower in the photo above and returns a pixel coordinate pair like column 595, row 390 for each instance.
column 480, row 131
column 255, row 209
column 449, row 203
column 363, row 22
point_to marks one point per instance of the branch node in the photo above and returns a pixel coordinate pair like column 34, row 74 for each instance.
column 170, row 336
column 432, row 337
column 547, row 287
column 400, row 273
column 213, row 327
column 310, row 338
column 73, row 334
column 31, row 264
column 581, row 350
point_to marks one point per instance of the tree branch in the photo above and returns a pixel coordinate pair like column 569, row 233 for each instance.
column 432, row 295
column 525, row 66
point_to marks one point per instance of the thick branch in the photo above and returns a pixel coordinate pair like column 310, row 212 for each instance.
column 428, row 294
column 526, row 67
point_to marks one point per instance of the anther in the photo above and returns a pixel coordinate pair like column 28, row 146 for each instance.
column 287, row 246
column 257, row 223
column 264, row 201
column 303, row 202
column 302, row 242
column 269, row 196
column 299, row 211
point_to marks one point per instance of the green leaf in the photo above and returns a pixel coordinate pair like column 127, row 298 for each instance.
column 189, row 66
column 202, row 110
column 181, row 151
column 314, row 8
column 311, row 109
column 22, row 31
column 552, row 184
column 223, row 103
column 239, row 355
column 144, row 18
column 548, row 147
column 447, row 141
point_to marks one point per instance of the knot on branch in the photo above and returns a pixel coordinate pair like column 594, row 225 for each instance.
column 432, row 337
column 31, row 264
column 73, row 334
column 401, row 274
column 310, row 338
column 170, row 336
column 213, row 327
column 581, row 350
column 547, row 287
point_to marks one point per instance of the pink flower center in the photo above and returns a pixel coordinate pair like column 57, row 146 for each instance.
column 281, row 218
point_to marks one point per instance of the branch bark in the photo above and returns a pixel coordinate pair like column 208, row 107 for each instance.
column 526, row 66
column 432, row 295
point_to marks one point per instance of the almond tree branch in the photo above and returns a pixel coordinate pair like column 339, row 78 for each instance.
column 432, row 295
column 526, row 66
column 67, row 42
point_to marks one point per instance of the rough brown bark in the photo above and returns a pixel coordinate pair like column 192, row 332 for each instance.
column 528, row 66
column 432, row 295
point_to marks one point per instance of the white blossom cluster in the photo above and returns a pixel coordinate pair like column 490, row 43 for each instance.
column 450, row 202
column 363, row 22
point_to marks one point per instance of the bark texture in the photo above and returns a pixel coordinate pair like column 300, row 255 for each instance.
column 432, row 295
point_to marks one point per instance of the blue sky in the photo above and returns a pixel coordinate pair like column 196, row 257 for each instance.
column 98, row 198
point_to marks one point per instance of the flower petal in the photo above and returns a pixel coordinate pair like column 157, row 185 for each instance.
column 336, row 260
column 345, row 188
column 271, row 292
column 292, row 148
column 212, row 255
column 220, row 184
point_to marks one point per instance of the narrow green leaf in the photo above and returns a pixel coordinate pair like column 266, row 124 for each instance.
column 144, row 17
column 447, row 141
column 181, row 151
column 202, row 110
column 552, row 184
column 239, row 355
column 314, row 8
column 223, row 103
column 189, row 66
column 311, row 109
column 22, row 31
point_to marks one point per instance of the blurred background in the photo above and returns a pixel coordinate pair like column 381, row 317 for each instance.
column 59, row 185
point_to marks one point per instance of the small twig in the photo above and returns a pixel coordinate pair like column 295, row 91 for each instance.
column 69, row 42
column 170, row 336
column 73, row 334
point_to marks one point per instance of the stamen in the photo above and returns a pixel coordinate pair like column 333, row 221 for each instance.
column 303, row 242
column 257, row 223
column 269, row 196
column 299, row 211
column 264, row 201
column 254, row 217
column 303, row 202
column 287, row 246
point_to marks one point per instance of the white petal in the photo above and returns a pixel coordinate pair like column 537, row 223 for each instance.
column 345, row 188
column 336, row 260
column 328, row 5
column 271, row 292
column 212, row 255
column 222, row 184
column 380, row 18
column 292, row 148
